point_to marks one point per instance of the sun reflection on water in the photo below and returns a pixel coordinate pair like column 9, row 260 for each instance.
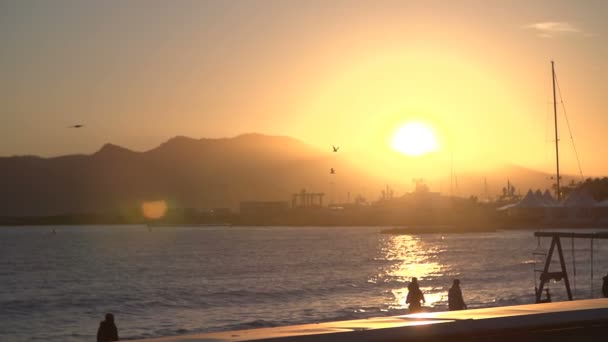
column 408, row 256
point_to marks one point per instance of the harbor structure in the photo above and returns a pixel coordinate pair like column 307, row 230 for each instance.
column 305, row 199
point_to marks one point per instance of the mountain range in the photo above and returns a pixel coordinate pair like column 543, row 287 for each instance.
column 185, row 172
column 198, row 173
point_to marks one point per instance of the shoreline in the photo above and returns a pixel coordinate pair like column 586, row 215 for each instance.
column 582, row 320
column 386, row 229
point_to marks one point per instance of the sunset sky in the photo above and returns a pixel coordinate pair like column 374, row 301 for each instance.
column 347, row 73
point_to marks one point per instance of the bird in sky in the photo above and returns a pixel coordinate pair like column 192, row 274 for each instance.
column 332, row 171
column 336, row 148
column 76, row 126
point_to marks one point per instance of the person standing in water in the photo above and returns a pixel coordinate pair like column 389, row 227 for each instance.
column 107, row 331
column 455, row 300
column 414, row 296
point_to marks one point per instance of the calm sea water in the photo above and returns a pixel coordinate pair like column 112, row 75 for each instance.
column 184, row 280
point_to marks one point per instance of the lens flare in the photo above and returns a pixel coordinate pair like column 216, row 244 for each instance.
column 154, row 209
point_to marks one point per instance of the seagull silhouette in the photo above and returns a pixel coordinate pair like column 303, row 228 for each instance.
column 76, row 126
column 332, row 171
column 335, row 148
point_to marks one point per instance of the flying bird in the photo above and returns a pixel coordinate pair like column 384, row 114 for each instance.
column 336, row 148
column 332, row 171
column 76, row 126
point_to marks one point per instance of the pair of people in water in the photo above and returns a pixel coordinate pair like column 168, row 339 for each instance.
column 415, row 297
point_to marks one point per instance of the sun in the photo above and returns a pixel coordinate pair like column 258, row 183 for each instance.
column 414, row 139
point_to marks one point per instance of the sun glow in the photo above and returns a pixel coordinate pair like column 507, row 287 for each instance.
column 414, row 139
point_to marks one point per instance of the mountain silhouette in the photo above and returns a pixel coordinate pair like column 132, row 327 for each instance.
column 207, row 173
column 185, row 172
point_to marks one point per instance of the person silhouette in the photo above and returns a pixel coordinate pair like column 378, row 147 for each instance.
column 605, row 286
column 107, row 331
column 414, row 296
column 455, row 300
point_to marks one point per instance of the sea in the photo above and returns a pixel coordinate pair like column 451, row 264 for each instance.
column 56, row 283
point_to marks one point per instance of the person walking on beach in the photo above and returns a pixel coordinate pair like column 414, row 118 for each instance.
column 414, row 296
column 455, row 300
column 107, row 331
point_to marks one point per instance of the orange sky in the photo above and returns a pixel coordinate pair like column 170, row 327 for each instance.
column 342, row 72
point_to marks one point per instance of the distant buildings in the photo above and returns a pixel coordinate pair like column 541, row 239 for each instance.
column 221, row 212
column 254, row 208
column 578, row 208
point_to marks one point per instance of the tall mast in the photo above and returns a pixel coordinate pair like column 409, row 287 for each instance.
column 485, row 189
column 559, row 191
column 452, row 174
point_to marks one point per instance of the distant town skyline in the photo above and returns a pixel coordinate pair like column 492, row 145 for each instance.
column 347, row 73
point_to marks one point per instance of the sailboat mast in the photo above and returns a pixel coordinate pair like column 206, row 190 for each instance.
column 559, row 191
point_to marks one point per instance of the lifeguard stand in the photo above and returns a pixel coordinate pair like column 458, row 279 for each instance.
column 545, row 274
